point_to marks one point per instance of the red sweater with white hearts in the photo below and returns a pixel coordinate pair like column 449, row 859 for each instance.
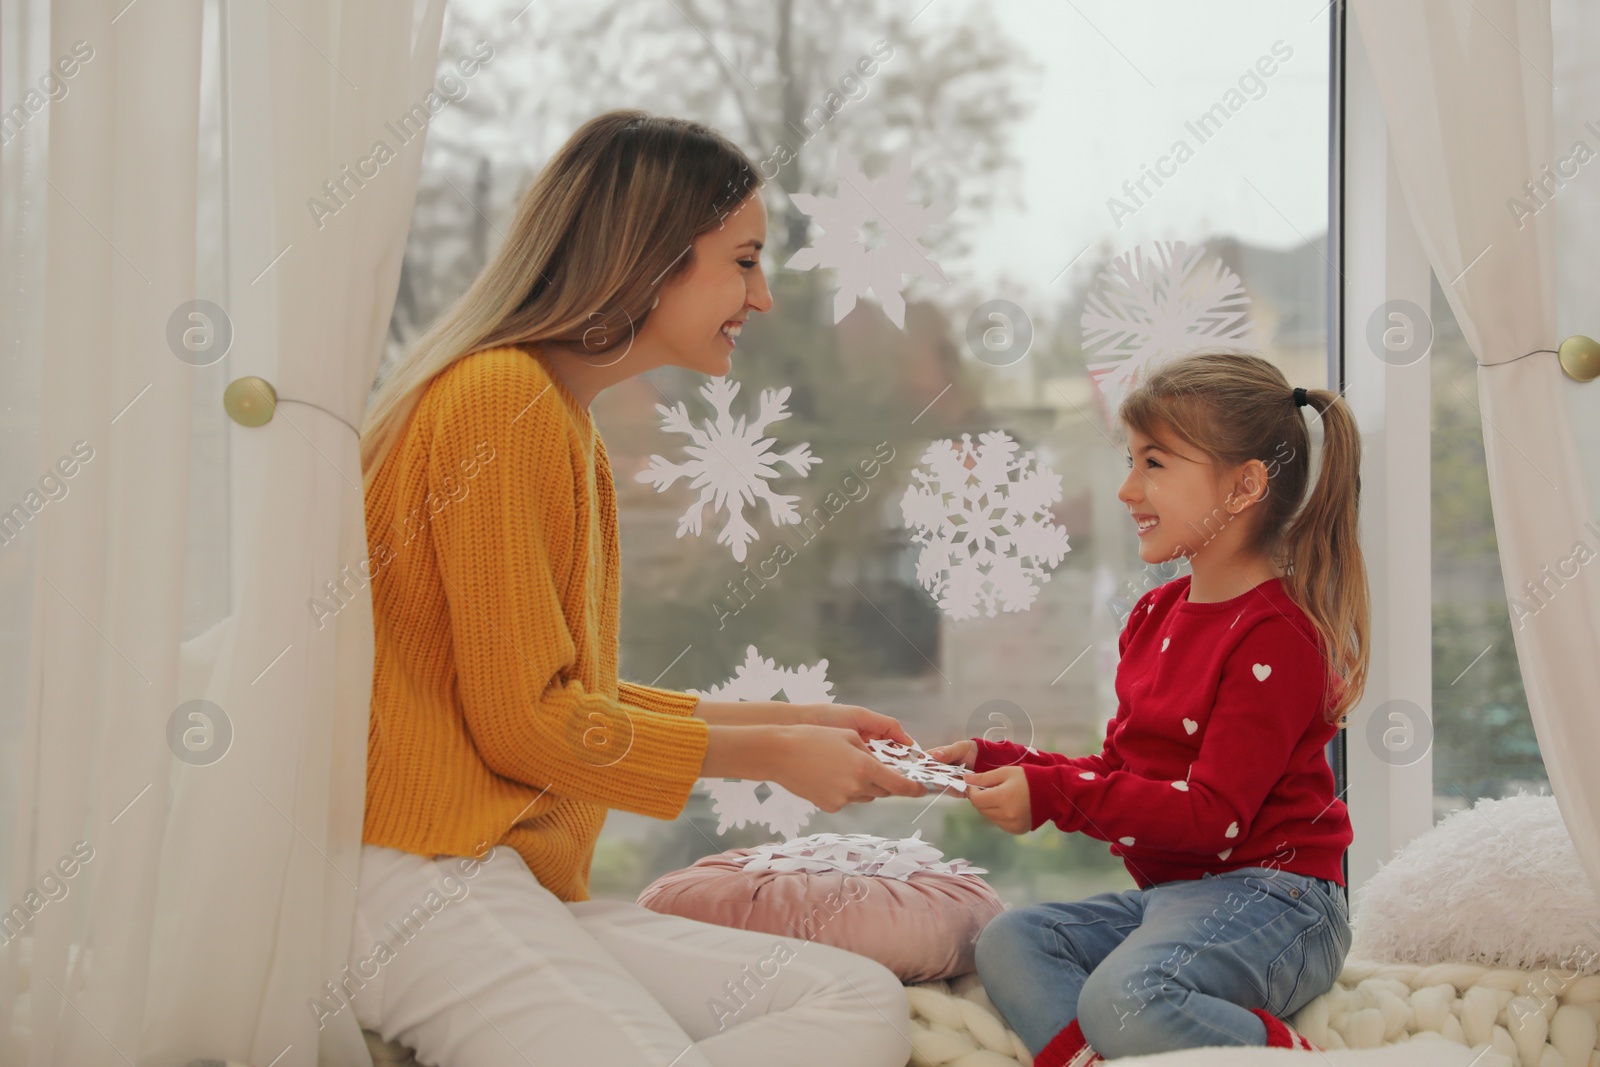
column 1216, row 758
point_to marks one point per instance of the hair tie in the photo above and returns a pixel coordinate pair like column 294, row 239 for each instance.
column 1300, row 398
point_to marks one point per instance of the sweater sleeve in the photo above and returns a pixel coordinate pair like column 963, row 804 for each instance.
column 992, row 754
column 1270, row 692
column 666, row 701
column 505, row 541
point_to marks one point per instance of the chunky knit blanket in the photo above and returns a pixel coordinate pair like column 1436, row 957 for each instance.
column 1544, row 1018
column 1504, row 1018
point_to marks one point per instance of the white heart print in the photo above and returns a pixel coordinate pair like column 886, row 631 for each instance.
column 1233, row 830
column 1087, row 776
column 1224, row 854
column 1182, row 787
column 1125, row 840
column 1165, row 641
column 1261, row 671
column 1190, row 726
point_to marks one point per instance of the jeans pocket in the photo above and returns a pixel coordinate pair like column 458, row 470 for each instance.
column 1311, row 965
column 1339, row 937
column 1296, row 975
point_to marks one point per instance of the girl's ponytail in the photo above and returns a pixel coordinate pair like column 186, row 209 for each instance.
column 1327, row 573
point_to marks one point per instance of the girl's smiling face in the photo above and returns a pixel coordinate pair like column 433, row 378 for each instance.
column 1184, row 503
column 697, row 321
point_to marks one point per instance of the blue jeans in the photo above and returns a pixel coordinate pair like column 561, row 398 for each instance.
column 1171, row 967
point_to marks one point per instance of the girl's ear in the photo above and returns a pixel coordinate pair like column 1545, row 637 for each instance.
column 1249, row 486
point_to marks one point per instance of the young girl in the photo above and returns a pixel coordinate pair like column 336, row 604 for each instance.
column 1213, row 786
column 497, row 715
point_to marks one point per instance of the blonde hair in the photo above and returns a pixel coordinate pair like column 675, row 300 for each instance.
column 1233, row 407
column 609, row 219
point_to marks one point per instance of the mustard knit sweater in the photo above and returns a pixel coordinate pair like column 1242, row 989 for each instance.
column 497, row 716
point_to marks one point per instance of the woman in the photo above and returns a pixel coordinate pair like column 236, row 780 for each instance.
column 497, row 716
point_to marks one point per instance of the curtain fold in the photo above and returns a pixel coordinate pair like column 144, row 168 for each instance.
column 212, row 859
column 1467, row 92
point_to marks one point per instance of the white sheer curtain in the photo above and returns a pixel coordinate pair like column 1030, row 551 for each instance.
column 163, row 904
column 1467, row 92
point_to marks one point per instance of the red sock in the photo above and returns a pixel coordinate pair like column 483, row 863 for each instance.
column 1068, row 1049
column 1282, row 1035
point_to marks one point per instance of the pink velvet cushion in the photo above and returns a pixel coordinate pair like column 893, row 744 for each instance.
column 921, row 928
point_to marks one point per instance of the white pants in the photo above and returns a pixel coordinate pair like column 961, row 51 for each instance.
column 470, row 969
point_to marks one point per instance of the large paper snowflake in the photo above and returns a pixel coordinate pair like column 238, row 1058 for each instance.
column 865, row 855
column 879, row 205
column 730, row 463
column 741, row 801
column 982, row 516
column 1152, row 305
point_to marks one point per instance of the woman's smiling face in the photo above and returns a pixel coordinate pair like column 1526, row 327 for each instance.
column 1179, row 503
column 701, row 311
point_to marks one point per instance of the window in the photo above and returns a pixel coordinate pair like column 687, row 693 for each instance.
column 1113, row 192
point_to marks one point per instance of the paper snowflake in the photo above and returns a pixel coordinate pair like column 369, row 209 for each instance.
column 880, row 205
column 858, row 854
column 1153, row 305
column 913, row 762
column 737, row 802
column 730, row 463
column 758, row 678
column 740, row 801
column 982, row 516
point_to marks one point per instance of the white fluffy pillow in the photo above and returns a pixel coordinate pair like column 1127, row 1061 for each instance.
column 1498, row 884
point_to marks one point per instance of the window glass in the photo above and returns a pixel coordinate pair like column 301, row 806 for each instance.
column 1071, row 190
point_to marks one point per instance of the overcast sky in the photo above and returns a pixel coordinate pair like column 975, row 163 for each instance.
column 1118, row 83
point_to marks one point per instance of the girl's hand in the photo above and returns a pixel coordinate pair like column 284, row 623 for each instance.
column 1001, row 796
column 832, row 767
column 869, row 725
column 960, row 753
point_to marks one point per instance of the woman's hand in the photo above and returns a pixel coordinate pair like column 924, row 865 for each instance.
column 869, row 725
column 832, row 767
column 960, row 753
column 1001, row 796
